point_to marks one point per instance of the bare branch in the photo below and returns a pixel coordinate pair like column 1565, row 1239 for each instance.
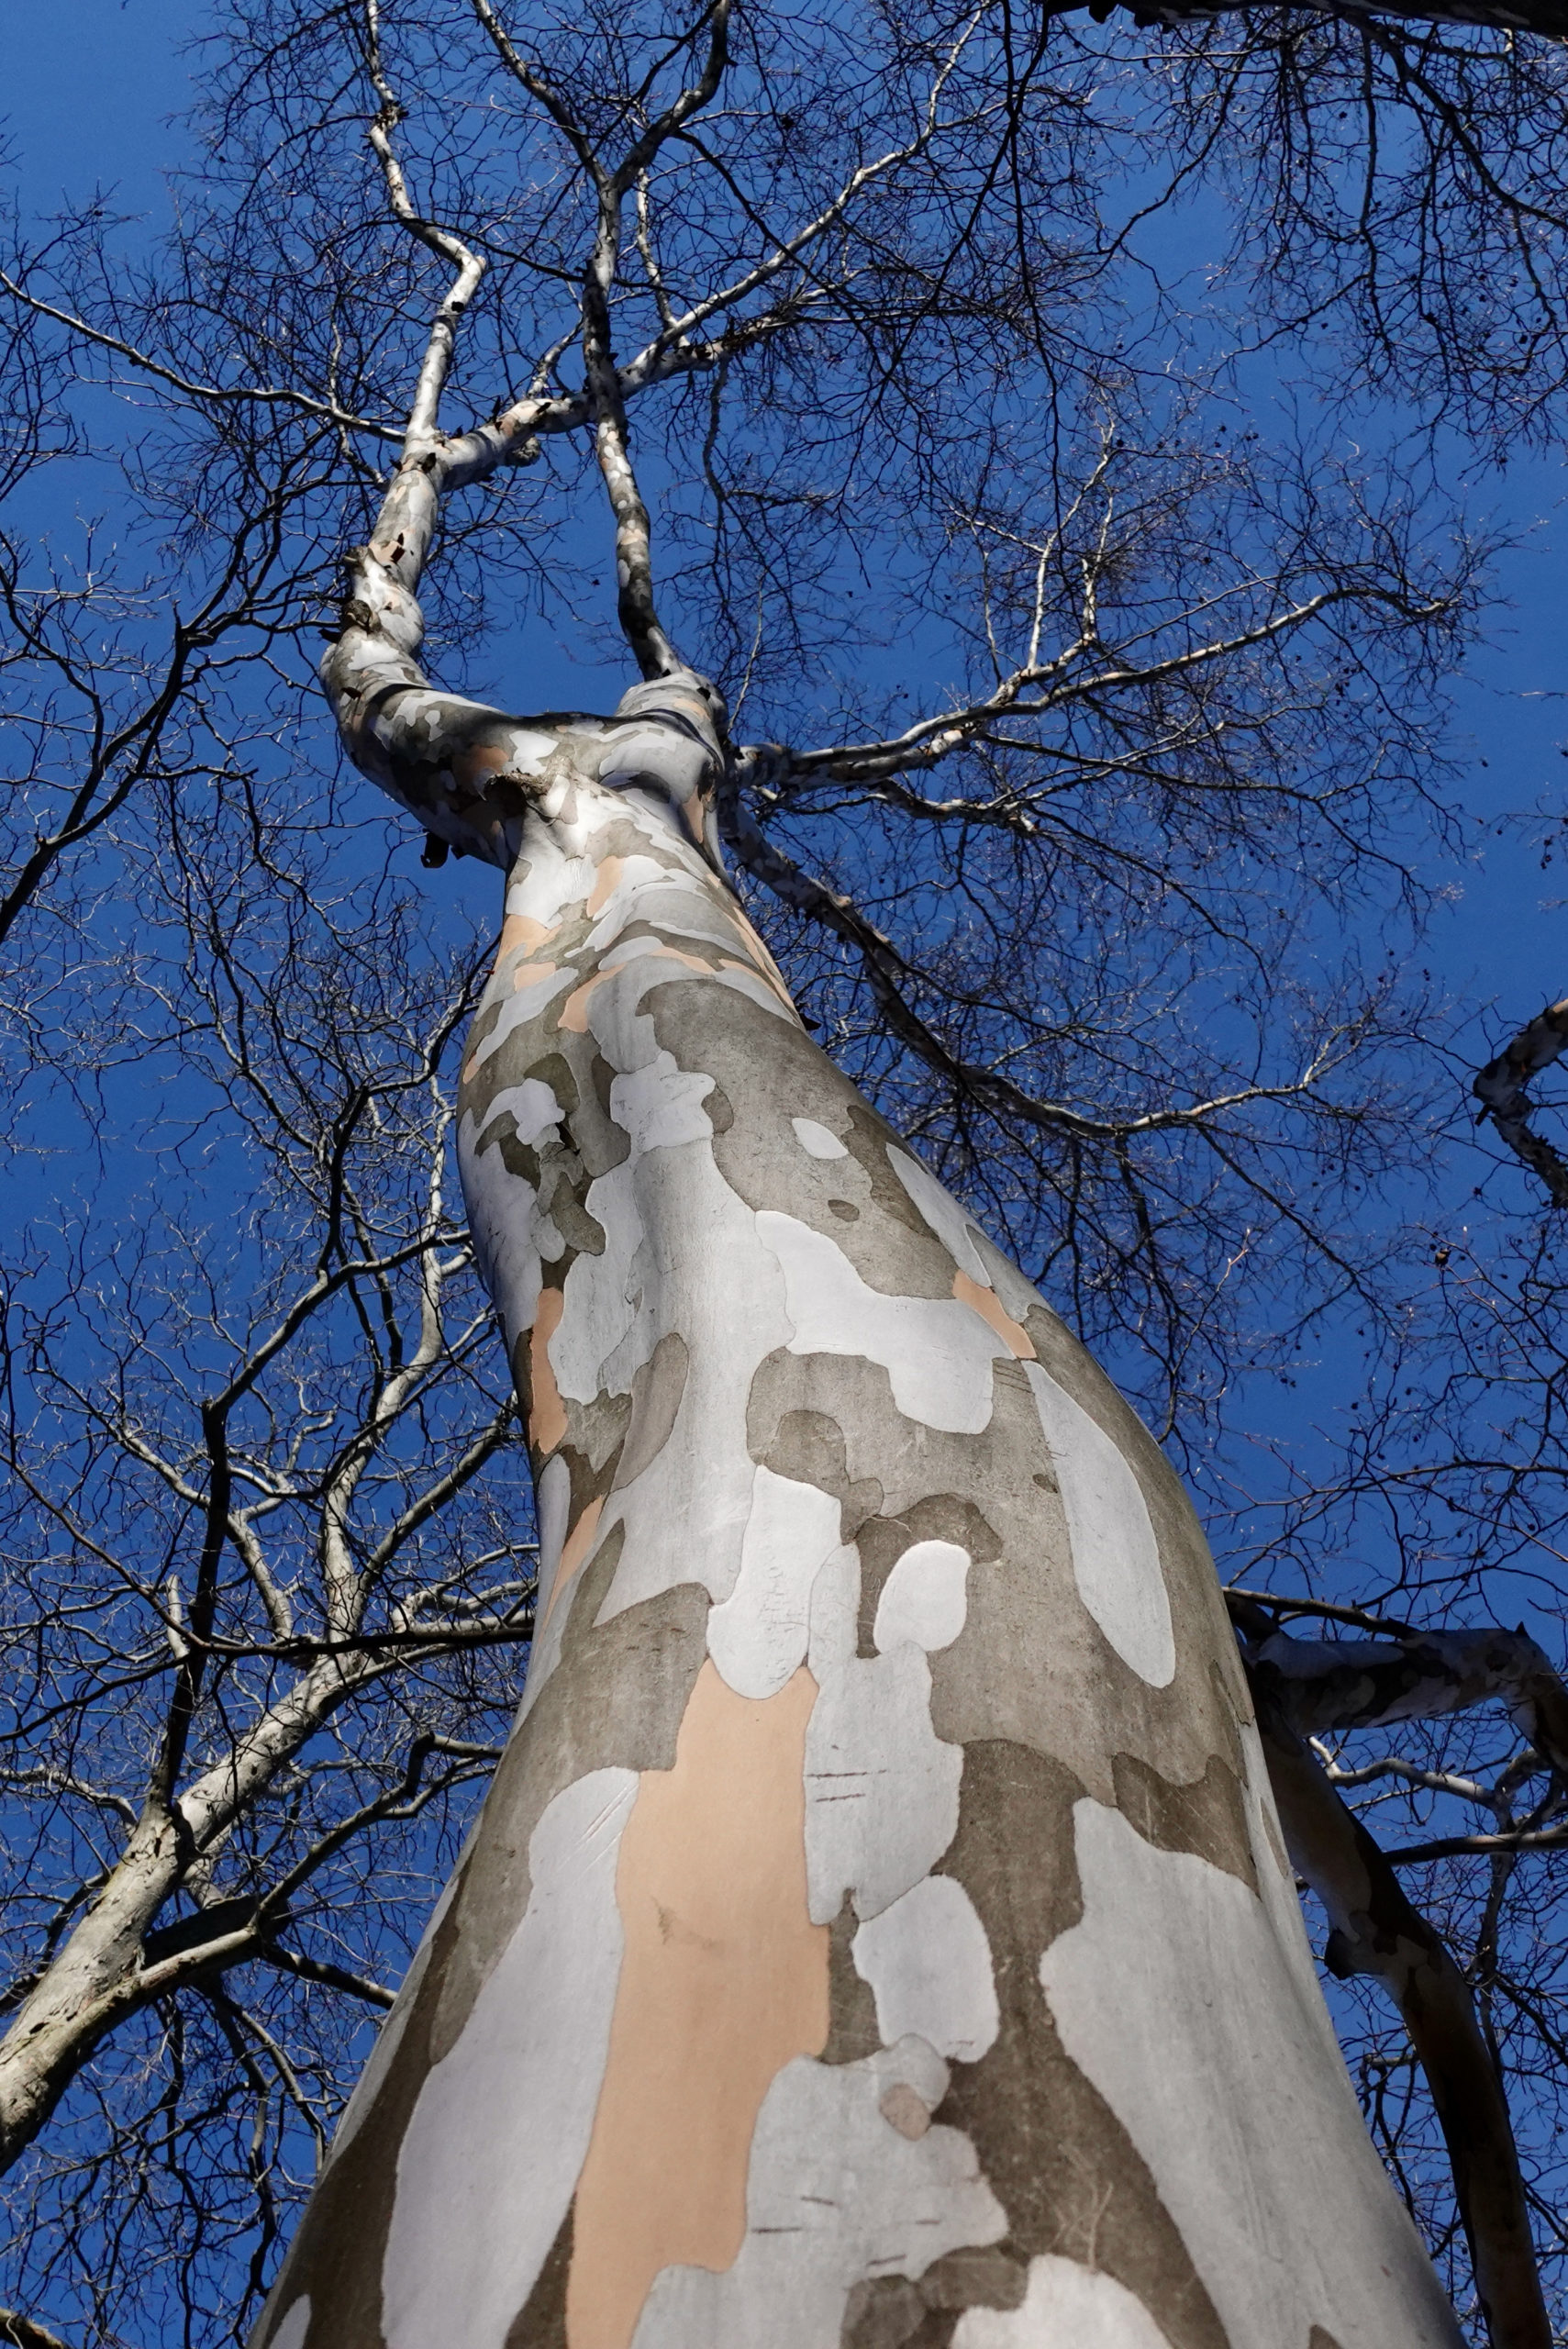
column 1376, row 1930
column 1502, row 1089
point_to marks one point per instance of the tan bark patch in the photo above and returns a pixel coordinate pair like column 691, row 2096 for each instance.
column 479, row 761
column 522, row 931
column 547, row 1412
column 903, row 2109
column 527, row 974
column 664, row 951
column 579, row 1541
column 606, row 882
column 989, row 1306
column 574, row 1010
column 723, row 1981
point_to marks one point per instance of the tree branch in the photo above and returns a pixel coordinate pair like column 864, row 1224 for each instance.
column 1376, row 1930
column 1318, row 1685
column 1501, row 1089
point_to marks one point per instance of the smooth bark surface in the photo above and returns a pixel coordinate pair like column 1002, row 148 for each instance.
column 878, row 1929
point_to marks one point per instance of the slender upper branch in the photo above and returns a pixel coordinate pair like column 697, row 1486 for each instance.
column 469, row 266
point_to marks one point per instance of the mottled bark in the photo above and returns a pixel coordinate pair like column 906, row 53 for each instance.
column 878, row 1929
column 1315, row 1684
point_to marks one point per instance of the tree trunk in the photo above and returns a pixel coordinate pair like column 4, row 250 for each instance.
column 879, row 1931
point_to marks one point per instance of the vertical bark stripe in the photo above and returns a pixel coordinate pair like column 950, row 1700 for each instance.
column 547, row 1412
column 723, row 1981
column 579, row 1541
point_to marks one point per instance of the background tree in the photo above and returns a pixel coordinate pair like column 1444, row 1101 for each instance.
column 1071, row 974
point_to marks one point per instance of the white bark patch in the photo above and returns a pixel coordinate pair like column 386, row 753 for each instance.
column 661, row 1104
column 504, row 1223
column 291, row 2332
column 1066, row 2307
column 552, row 1499
column 941, row 1211
column 818, row 1142
column 1115, row 1558
column 836, row 2191
column 636, row 891
column 925, row 1598
column 685, row 1514
column 929, row 1964
column 835, row 1616
column 937, row 1353
column 880, row 1787
column 680, row 764
column 758, row 1637
column 367, row 2087
column 1214, row 2034
column 533, row 1106
column 493, row 2150
column 526, row 750
column 553, row 879
column 601, row 1295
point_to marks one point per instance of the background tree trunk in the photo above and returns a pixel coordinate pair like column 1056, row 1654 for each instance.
column 879, row 1930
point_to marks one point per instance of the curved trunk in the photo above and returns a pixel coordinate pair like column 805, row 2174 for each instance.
column 878, row 1930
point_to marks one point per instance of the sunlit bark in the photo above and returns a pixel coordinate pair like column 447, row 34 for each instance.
column 879, row 1930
